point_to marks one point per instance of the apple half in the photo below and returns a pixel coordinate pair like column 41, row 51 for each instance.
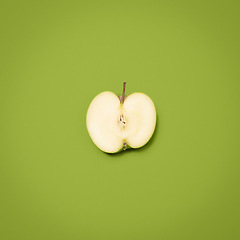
column 117, row 123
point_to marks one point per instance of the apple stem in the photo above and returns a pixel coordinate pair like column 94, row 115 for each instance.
column 123, row 94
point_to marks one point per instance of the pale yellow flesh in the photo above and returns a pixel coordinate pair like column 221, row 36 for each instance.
column 111, row 124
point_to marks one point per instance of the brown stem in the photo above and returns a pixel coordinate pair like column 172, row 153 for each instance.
column 123, row 94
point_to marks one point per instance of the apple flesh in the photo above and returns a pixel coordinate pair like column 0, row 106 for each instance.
column 117, row 123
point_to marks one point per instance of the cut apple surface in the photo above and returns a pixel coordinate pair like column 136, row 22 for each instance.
column 116, row 123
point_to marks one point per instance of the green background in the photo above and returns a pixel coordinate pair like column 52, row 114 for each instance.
column 56, row 57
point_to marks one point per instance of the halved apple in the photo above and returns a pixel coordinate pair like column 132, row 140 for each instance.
column 117, row 123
